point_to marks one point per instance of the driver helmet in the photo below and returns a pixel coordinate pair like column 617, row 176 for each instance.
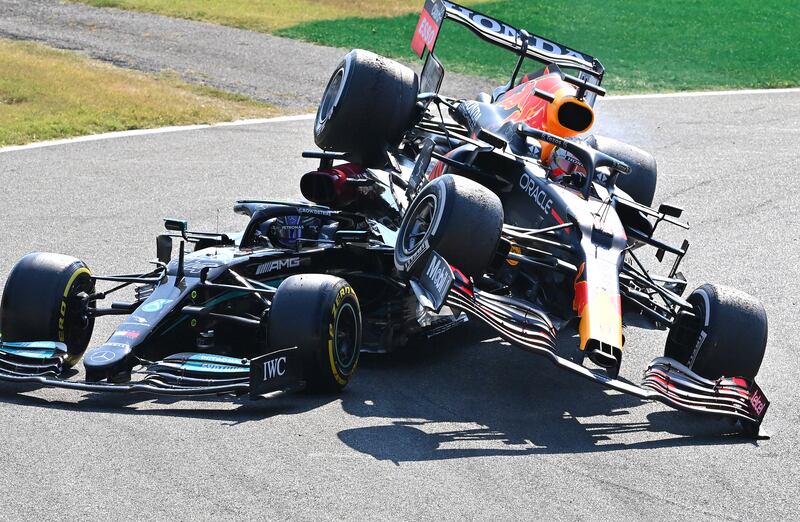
column 563, row 162
column 288, row 231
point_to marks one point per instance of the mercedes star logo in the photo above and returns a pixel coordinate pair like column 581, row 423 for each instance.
column 103, row 356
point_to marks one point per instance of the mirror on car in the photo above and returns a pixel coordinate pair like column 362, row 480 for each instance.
column 430, row 81
column 164, row 248
column 176, row 225
column 670, row 210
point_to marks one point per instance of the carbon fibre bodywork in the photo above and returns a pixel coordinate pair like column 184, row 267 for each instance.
column 198, row 323
column 565, row 262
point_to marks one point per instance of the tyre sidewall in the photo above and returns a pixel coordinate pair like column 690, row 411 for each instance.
column 36, row 304
column 337, row 372
column 304, row 313
column 733, row 333
column 320, row 128
column 411, row 261
column 374, row 106
column 640, row 183
column 465, row 228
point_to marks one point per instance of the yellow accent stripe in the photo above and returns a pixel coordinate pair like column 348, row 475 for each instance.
column 335, row 372
column 74, row 277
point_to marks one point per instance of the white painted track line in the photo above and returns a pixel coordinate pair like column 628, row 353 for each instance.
column 303, row 117
column 158, row 130
column 696, row 94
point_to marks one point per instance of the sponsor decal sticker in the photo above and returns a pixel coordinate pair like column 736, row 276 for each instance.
column 502, row 29
column 525, row 106
column 274, row 368
column 436, row 279
column 700, row 340
column 124, row 346
column 536, row 193
column 275, row 371
column 428, row 26
column 103, row 356
column 193, row 266
column 758, row 401
column 278, row 264
column 439, row 274
column 31, row 354
column 210, row 357
column 126, row 333
column 314, row 211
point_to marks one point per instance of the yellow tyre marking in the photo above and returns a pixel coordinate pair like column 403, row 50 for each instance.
column 335, row 372
column 72, row 359
column 74, row 277
column 347, row 290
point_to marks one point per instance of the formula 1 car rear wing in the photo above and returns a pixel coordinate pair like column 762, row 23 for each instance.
column 501, row 34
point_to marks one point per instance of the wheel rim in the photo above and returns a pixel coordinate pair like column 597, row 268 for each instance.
column 685, row 332
column 331, row 97
column 346, row 337
column 419, row 224
column 79, row 328
column 696, row 323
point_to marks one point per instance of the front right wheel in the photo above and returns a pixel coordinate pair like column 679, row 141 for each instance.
column 727, row 336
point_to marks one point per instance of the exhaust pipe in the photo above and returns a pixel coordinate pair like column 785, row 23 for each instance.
column 335, row 187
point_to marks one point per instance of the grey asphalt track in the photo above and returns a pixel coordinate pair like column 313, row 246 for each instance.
column 286, row 73
column 468, row 428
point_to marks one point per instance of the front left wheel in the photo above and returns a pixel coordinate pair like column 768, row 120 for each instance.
column 320, row 315
column 40, row 302
column 455, row 216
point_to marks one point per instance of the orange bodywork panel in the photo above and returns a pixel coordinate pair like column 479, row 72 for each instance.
column 600, row 310
column 539, row 113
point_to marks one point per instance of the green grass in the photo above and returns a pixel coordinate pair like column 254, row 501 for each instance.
column 647, row 45
column 49, row 94
column 267, row 15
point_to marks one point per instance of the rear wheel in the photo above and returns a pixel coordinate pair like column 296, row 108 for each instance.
column 459, row 218
column 40, row 302
column 368, row 104
column 320, row 315
column 726, row 338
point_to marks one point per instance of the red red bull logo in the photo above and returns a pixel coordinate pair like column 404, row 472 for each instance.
column 526, row 107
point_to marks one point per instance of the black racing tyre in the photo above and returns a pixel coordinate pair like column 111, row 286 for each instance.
column 319, row 314
column 39, row 302
column 456, row 216
column 726, row 338
column 640, row 184
column 368, row 104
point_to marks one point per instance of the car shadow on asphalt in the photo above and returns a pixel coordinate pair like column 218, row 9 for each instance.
column 461, row 399
column 229, row 410
column 457, row 397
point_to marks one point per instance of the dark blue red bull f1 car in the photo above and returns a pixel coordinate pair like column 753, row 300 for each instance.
column 425, row 211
